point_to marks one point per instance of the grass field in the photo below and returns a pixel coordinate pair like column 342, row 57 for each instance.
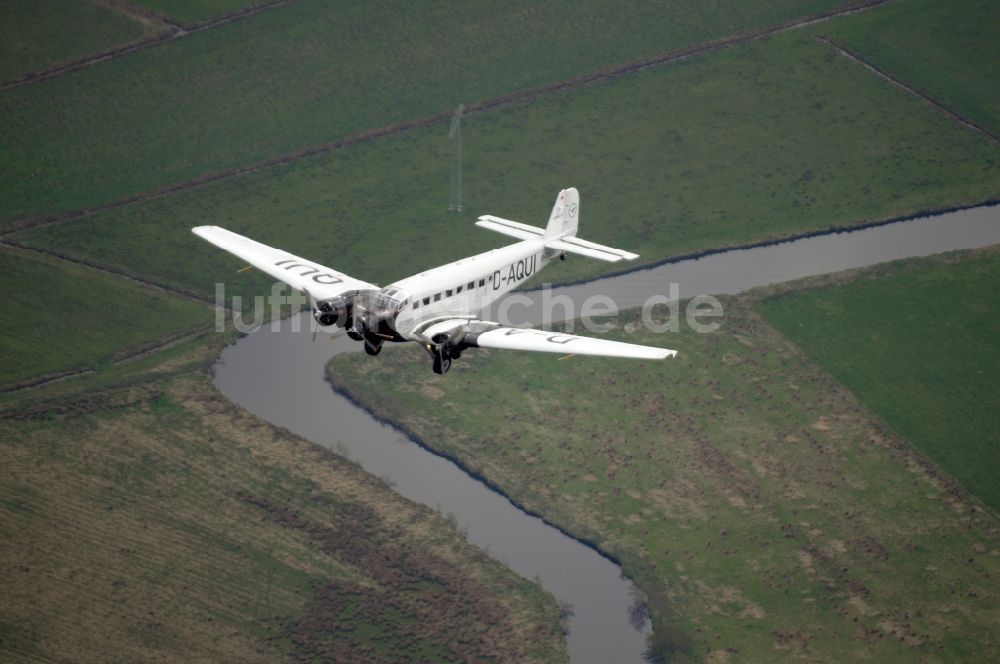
column 917, row 343
column 947, row 50
column 762, row 509
column 761, row 141
column 208, row 101
column 63, row 317
column 36, row 34
column 194, row 11
column 160, row 522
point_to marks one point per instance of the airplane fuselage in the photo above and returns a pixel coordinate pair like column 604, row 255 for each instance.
column 467, row 286
column 438, row 308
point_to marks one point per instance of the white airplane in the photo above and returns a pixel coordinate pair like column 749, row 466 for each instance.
column 438, row 308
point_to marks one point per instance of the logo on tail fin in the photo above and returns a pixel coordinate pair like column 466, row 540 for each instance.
column 565, row 214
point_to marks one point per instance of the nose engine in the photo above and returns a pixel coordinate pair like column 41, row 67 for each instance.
column 366, row 315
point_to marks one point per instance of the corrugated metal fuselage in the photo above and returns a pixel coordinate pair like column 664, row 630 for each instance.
column 467, row 286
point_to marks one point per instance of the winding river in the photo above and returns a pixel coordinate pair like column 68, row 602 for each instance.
column 279, row 376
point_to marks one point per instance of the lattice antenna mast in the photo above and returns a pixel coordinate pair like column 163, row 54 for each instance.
column 455, row 136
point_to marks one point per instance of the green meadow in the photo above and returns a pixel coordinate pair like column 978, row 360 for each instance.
column 771, row 492
column 194, row 11
column 211, row 101
column 762, row 509
column 946, row 50
column 917, row 343
column 63, row 317
column 154, row 520
column 752, row 143
column 36, row 34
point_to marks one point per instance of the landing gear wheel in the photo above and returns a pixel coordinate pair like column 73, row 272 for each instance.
column 352, row 332
column 442, row 362
column 372, row 349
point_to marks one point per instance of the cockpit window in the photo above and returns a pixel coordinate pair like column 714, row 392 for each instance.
column 391, row 299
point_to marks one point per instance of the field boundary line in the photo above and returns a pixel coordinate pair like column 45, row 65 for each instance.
column 169, row 341
column 142, row 350
column 142, row 15
column 892, row 80
column 25, row 223
column 45, row 379
column 173, row 31
column 291, row 157
column 109, row 271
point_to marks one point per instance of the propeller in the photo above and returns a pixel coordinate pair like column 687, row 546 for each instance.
column 313, row 308
column 358, row 315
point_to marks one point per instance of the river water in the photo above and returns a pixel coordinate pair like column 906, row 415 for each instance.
column 279, row 376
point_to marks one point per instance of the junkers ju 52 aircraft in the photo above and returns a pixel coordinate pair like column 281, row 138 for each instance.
column 438, row 308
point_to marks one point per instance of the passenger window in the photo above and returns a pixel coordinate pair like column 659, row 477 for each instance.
column 427, row 301
column 437, row 296
column 416, row 304
column 472, row 284
column 458, row 290
column 447, row 293
column 482, row 282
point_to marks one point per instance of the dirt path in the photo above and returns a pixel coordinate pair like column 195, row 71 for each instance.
column 478, row 107
column 854, row 57
column 168, row 30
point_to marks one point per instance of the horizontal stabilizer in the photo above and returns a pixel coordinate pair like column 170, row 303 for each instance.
column 508, row 227
column 560, row 233
column 575, row 245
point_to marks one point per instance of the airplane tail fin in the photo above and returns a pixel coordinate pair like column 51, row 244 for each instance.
column 560, row 233
column 565, row 217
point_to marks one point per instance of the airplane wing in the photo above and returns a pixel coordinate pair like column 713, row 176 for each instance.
column 319, row 281
column 484, row 334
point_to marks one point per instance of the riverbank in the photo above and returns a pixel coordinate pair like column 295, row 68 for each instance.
column 156, row 520
column 757, row 503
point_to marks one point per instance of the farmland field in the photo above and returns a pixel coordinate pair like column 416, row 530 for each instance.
column 159, row 521
column 756, row 142
column 209, row 101
column 917, row 343
column 757, row 503
column 36, row 34
column 62, row 317
column 193, row 11
column 764, row 510
column 947, row 50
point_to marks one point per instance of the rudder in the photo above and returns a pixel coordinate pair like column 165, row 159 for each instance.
column 565, row 217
